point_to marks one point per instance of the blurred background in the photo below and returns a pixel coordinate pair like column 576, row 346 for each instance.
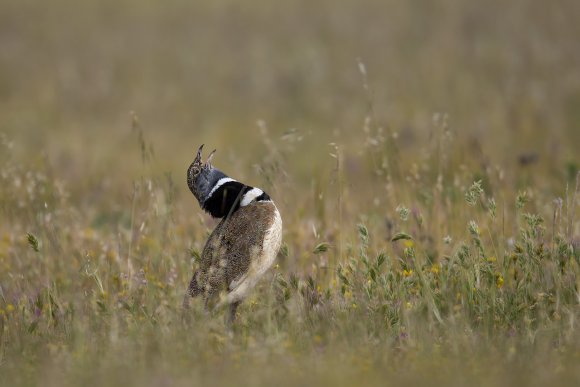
column 72, row 73
column 93, row 88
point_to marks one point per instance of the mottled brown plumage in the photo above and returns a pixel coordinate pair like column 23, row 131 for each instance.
column 242, row 246
column 231, row 247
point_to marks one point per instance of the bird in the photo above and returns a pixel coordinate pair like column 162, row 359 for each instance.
column 244, row 244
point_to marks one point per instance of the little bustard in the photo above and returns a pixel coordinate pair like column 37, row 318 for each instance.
column 242, row 246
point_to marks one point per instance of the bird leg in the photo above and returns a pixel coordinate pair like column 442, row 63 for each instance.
column 231, row 313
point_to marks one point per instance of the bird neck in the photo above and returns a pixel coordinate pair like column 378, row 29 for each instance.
column 228, row 195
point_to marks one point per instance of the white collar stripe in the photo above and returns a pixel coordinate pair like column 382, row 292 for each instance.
column 219, row 183
column 250, row 196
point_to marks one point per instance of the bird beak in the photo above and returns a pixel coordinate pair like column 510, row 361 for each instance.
column 198, row 157
column 210, row 156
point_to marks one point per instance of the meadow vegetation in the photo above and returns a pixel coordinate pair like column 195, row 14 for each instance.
column 424, row 157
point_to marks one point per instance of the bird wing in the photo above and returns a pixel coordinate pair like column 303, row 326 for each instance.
column 236, row 242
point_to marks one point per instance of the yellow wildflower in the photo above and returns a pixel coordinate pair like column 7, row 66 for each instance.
column 435, row 268
column 499, row 280
column 9, row 308
column 408, row 273
column 408, row 243
column 491, row 259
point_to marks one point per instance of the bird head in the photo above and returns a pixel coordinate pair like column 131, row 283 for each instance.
column 201, row 177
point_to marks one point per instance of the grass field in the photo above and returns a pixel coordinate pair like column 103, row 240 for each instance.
column 424, row 156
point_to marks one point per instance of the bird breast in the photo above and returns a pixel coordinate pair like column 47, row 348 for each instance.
column 261, row 259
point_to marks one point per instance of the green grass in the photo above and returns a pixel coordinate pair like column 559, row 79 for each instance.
column 424, row 160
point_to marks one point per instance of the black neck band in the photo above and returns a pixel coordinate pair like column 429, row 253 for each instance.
column 225, row 199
